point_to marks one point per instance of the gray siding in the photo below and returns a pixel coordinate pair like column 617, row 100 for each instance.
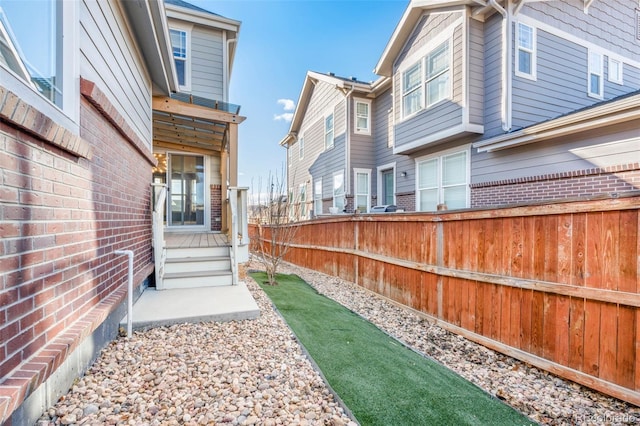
column 362, row 149
column 476, row 72
column 383, row 153
column 616, row 34
column 441, row 116
column 109, row 59
column 575, row 152
column 207, row 63
column 318, row 163
column 492, row 76
column 561, row 85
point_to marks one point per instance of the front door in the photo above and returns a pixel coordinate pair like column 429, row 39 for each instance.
column 186, row 196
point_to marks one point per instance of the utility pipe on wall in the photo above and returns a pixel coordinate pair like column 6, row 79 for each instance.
column 506, row 64
column 129, row 290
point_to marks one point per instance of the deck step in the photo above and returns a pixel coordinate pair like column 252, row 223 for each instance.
column 182, row 252
column 204, row 263
column 192, row 279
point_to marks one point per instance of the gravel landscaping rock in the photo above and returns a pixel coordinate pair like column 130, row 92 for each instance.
column 255, row 373
column 545, row 398
column 237, row 373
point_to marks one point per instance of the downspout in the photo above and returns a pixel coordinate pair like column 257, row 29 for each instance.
column 347, row 143
column 227, row 70
column 506, row 65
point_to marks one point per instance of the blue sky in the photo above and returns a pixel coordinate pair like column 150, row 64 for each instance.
column 279, row 42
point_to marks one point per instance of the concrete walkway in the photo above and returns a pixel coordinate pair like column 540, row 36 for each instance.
column 223, row 303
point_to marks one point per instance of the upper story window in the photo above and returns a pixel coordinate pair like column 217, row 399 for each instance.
column 615, row 71
column 438, row 74
column 301, row 148
column 363, row 116
column 181, row 53
column 412, row 90
column 525, row 51
column 428, row 87
column 595, row 74
column 328, row 131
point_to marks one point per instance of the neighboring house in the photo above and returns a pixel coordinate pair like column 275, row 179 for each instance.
column 479, row 103
column 83, row 122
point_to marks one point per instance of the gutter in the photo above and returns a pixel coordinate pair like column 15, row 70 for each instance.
column 611, row 113
column 506, row 64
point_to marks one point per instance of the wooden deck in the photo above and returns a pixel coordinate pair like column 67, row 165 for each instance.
column 195, row 239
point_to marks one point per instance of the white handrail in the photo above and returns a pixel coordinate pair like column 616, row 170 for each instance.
column 159, row 249
column 233, row 204
column 129, row 290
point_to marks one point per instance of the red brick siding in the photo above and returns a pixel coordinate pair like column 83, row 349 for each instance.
column 580, row 183
column 61, row 218
column 216, row 207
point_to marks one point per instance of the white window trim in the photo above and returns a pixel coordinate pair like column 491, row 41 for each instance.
column 357, row 130
column 333, row 188
column 300, row 148
column 449, row 95
column 67, row 115
column 440, row 155
column 187, row 67
column 355, row 187
column 420, row 55
column 617, row 79
column 333, row 130
column 316, row 212
column 380, row 169
column 534, row 52
column 590, row 93
column 418, row 87
column 302, row 201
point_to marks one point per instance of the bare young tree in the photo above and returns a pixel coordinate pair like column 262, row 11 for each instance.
column 274, row 227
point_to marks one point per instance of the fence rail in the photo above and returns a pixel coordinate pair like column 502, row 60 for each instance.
column 555, row 285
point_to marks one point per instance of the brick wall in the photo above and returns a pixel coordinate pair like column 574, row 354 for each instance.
column 406, row 201
column 65, row 205
column 580, row 183
column 216, row 207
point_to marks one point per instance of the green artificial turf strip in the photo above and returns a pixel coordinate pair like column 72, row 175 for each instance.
column 381, row 381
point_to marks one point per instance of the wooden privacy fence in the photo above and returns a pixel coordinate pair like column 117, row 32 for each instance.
column 554, row 285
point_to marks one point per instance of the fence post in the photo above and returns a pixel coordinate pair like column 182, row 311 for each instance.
column 356, row 258
column 439, row 263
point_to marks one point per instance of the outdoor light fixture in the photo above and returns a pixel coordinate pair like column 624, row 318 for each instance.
column 403, row 174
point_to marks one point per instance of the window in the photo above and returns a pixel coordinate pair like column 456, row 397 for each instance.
column 328, row 132
column 338, row 191
column 36, row 49
column 526, row 51
column 428, row 87
column 303, row 200
column 300, row 148
column 595, row 74
column 180, row 48
column 363, row 196
column 438, row 74
column 363, row 117
column 443, row 180
column 615, row 71
column 412, row 90
column 317, row 197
